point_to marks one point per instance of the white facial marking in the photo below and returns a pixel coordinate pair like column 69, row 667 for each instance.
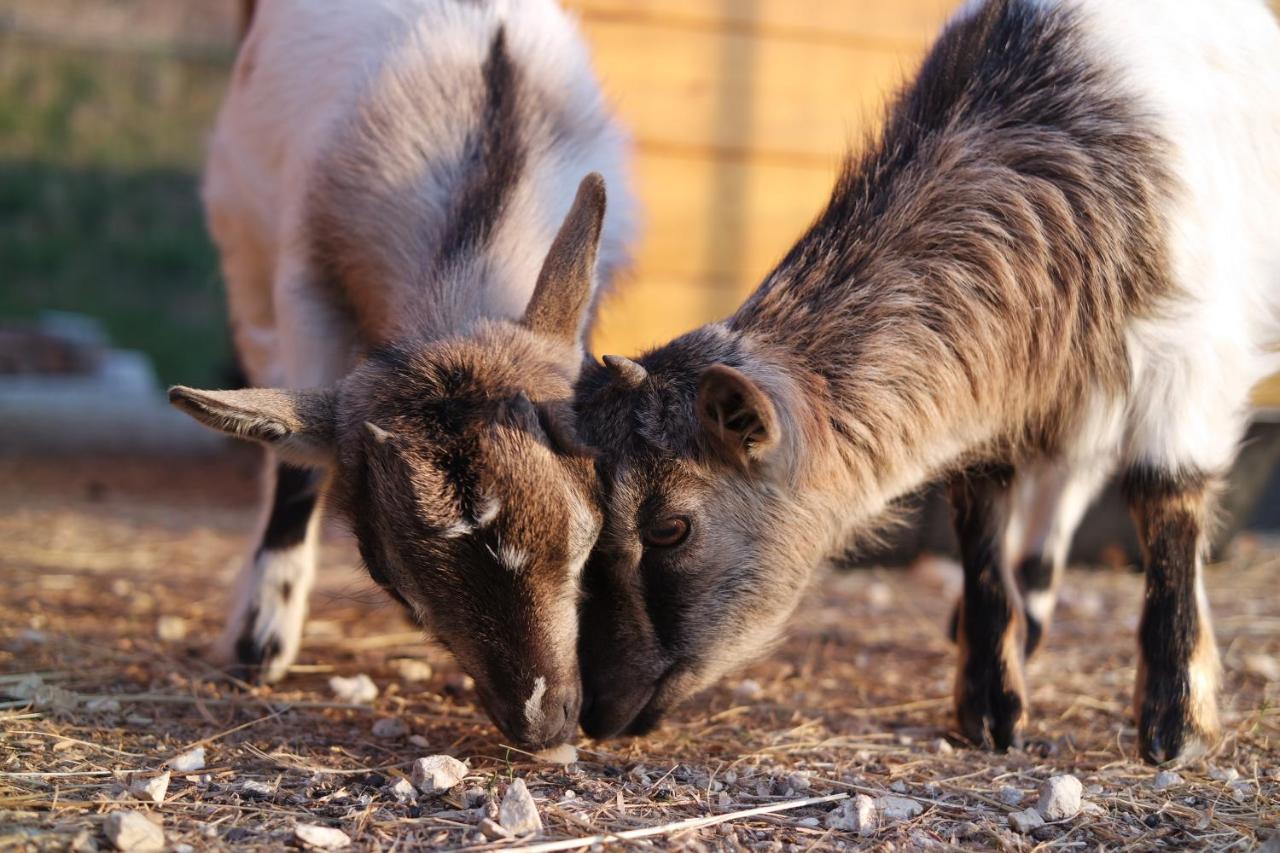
column 533, row 705
column 488, row 512
column 458, row 528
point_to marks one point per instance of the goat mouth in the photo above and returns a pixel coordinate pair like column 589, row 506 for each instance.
column 654, row 708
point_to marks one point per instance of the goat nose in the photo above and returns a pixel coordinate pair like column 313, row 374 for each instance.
column 559, row 719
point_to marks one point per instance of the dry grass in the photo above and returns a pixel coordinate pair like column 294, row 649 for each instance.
column 856, row 701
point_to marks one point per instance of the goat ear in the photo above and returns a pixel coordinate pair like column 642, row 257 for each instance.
column 738, row 418
column 299, row 425
column 563, row 292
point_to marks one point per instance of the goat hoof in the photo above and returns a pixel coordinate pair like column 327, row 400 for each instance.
column 258, row 662
column 1170, row 737
column 992, row 718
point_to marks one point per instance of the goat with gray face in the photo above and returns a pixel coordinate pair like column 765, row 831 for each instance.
column 1051, row 265
column 392, row 260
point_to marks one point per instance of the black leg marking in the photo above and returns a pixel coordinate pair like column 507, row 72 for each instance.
column 1036, row 575
column 296, row 492
column 1174, row 700
column 989, row 686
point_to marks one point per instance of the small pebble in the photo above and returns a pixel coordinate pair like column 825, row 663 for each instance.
column 879, row 596
column 474, row 798
column 1010, row 795
column 102, row 705
column 171, row 629
column 152, row 789
column 133, row 831
column 748, row 690
column 436, row 774
column 252, row 789
column 518, row 814
column 730, row 777
column 412, row 669
column 390, row 727
column 419, row 741
column 358, row 689
column 855, row 815
column 321, row 837
column 188, row 762
column 1025, row 821
column 798, row 781
column 564, row 754
column 1224, row 774
column 493, row 830
column 809, row 822
column 898, row 787
column 1060, row 798
column 942, row 746
column 1165, row 779
column 403, row 791
column 1263, row 666
column 898, row 808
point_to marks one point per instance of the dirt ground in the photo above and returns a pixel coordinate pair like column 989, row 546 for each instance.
column 98, row 557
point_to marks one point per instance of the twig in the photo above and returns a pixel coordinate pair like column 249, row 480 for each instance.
column 678, row 826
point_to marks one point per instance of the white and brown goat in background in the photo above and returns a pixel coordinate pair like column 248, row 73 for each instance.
column 1058, row 261
column 384, row 184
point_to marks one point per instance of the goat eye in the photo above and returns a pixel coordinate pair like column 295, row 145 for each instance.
column 666, row 532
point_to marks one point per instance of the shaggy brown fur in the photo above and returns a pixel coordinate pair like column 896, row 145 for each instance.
column 966, row 290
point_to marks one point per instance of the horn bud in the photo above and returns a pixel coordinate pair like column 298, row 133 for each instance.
column 627, row 372
column 380, row 435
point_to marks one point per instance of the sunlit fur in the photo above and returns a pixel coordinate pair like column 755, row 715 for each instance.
column 1058, row 254
column 384, row 182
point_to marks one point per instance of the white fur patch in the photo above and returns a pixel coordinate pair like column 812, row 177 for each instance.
column 533, row 713
column 488, row 512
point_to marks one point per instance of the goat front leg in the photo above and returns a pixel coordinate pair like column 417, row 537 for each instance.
column 1175, row 700
column 990, row 693
column 264, row 628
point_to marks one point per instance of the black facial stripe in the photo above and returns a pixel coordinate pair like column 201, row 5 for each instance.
column 296, row 493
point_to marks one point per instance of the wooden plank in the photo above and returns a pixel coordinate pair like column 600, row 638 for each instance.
column 897, row 22
column 722, row 219
column 743, row 94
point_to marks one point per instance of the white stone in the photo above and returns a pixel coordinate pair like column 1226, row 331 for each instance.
column 798, row 781
column 565, row 753
column 942, row 746
column 189, row 761
column 102, row 705
column 171, row 629
column 390, row 727
column 321, row 837
column 898, row 787
column 898, row 808
column 1263, row 666
column 518, row 814
column 1060, row 798
column 402, row 789
column 1025, row 821
column 855, row 815
column 493, row 830
column 436, row 774
column 879, row 596
column 133, row 831
column 1165, row 779
column 1010, row 795
column 412, row 669
column 152, row 789
column 419, row 741
column 748, row 690
column 256, row 790
column 1224, row 774
column 358, row 689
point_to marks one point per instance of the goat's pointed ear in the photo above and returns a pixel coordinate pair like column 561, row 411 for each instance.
column 563, row 292
column 738, row 418
column 299, row 425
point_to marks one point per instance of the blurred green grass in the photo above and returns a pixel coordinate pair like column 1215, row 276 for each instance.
column 100, row 153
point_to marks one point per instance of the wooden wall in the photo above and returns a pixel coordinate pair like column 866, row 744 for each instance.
column 740, row 111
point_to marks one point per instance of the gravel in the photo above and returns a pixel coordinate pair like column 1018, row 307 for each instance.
column 390, row 727
column 518, row 814
column 436, row 774
column 358, row 689
column 1060, row 798
column 1165, row 779
column 133, row 831
column 855, row 815
column 1025, row 821
column 321, row 837
column 152, row 789
column 189, row 761
column 898, row 808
